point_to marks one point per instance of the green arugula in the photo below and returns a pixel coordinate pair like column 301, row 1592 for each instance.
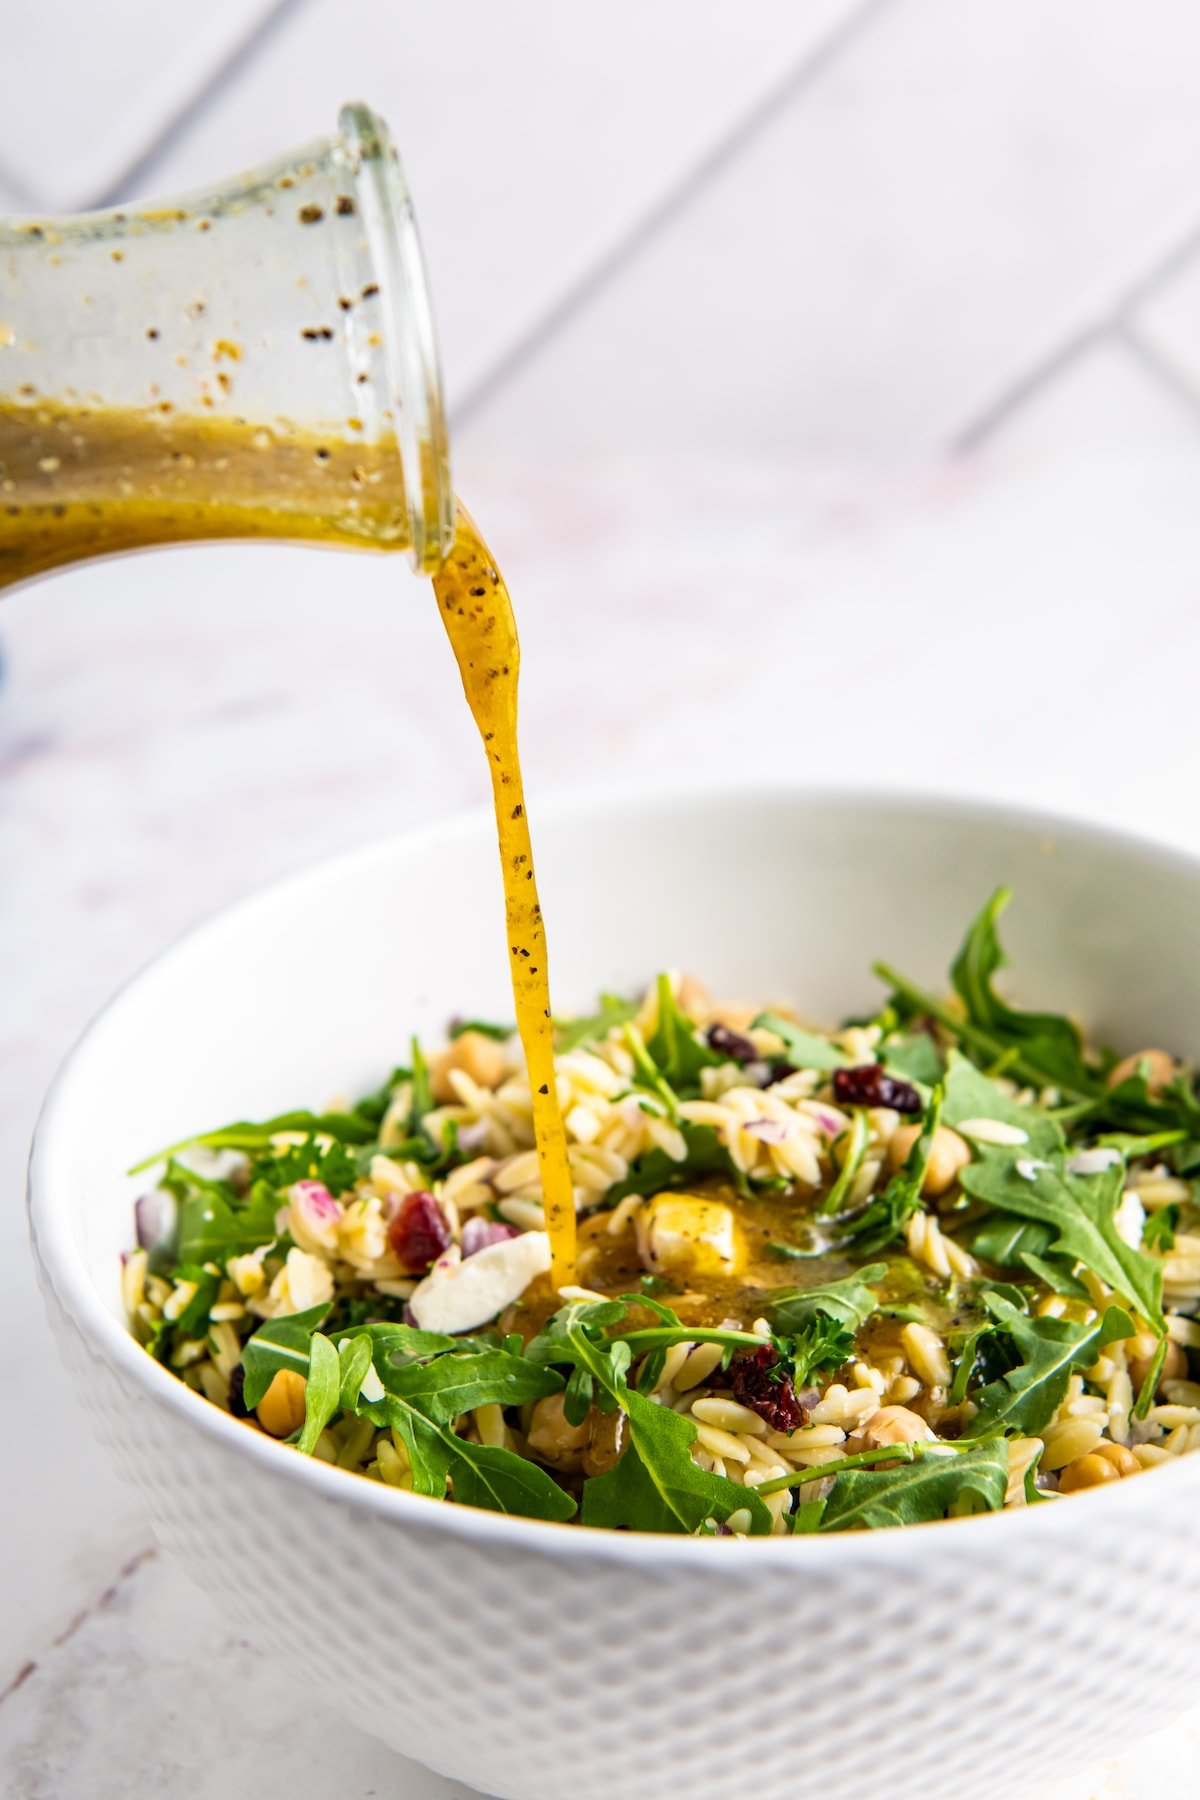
column 322, row 1395
column 885, row 1216
column 1046, row 1048
column 933, row 1486
column 278, row 1344
column 654, row 1170
column 675, row 1047
column 448, row 1385
column 803, row 1049
column 971, row 1095
column 614, row 1011
column 655, row 1486
column 850, row 1303
column 333, row 1165
column 1027, row 1397
column 212, row 1229
column 346, row 1127
column 499, row 1034
column 858, row 1138
column 1158, row 1233
column 915, row 1056
column 354, row 1354
column 193, row 1320
column 1082, row 1211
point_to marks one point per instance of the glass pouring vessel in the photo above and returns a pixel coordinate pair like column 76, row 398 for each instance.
column 258, row 362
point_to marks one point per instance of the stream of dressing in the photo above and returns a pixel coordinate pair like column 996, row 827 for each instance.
column 478, row 617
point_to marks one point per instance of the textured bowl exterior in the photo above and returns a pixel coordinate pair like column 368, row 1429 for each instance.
column 532, row 1661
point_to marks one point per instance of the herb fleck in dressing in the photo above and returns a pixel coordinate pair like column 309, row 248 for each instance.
column 478, row 617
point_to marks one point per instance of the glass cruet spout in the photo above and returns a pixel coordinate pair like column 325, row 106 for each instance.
column 258, row 362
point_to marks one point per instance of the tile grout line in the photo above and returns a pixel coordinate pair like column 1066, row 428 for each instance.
column 579, row 290
column 105, row 1599
column 1160, row 366
column 194, row 107
column 1110, row 314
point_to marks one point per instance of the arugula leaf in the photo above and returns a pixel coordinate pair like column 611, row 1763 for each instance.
column 499, row 1034
column 195, row 1313
column 803, row 1049
column 970, row 1095
column 1026, row 1399
column 322, row 1395
column 656, row 1486
column 933, row 1486
column 859, row 1138
column 675, row 1047
column 487, row 1475
column 390, row 1341
column 355, row 1357
column 333, row 1164
column 422, row 1092
column 450, row 1385
column 1047, row 1047
column 483, row 1474
column 790, row 1311
column 613, row 1012
column 279, row 1344
column 885, row 1216
column 1158, row 1233
column 373, row 1107
column 654, row 1170
column 915, row 1056
column 1057, row 1275
column 346, row 1127
column 1082, row 1211
column 1004, row 1240
column 212, row 1229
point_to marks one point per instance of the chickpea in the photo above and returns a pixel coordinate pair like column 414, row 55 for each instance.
column 281, row 1409
column 552, row 1439
column 1160, row 1068
column 890, row 1425
column 693, row 998
column 1141, row 1359
column 476, row 1055
column 606, row 1442
column 1122, row 1460
column 948, row 1154
column 1092, row 1470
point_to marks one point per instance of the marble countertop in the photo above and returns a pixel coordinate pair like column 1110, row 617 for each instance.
column 180, row 728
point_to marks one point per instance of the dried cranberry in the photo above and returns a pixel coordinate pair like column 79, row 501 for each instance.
column 871, row 1085
column 730, row 1044
column 419, row 1233
column 759, row 1383
column 237, row 1403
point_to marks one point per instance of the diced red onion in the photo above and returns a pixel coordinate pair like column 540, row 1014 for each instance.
column 316, row 1200
column 768, row 1131
column 478, row 1233
column 155, row 1215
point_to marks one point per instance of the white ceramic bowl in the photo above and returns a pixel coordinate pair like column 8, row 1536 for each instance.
column 532, row 1660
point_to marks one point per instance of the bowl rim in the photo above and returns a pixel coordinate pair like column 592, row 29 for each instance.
column 63, row 1272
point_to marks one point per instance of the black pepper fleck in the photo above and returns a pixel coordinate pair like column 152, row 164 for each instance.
column 310, row 215
column 345, row 205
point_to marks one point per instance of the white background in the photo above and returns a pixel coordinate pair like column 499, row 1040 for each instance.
column 827, row 378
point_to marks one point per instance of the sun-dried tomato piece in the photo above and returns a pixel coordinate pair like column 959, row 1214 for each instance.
column 419, row 1233
column 760, row 1383
column 870, row 1085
